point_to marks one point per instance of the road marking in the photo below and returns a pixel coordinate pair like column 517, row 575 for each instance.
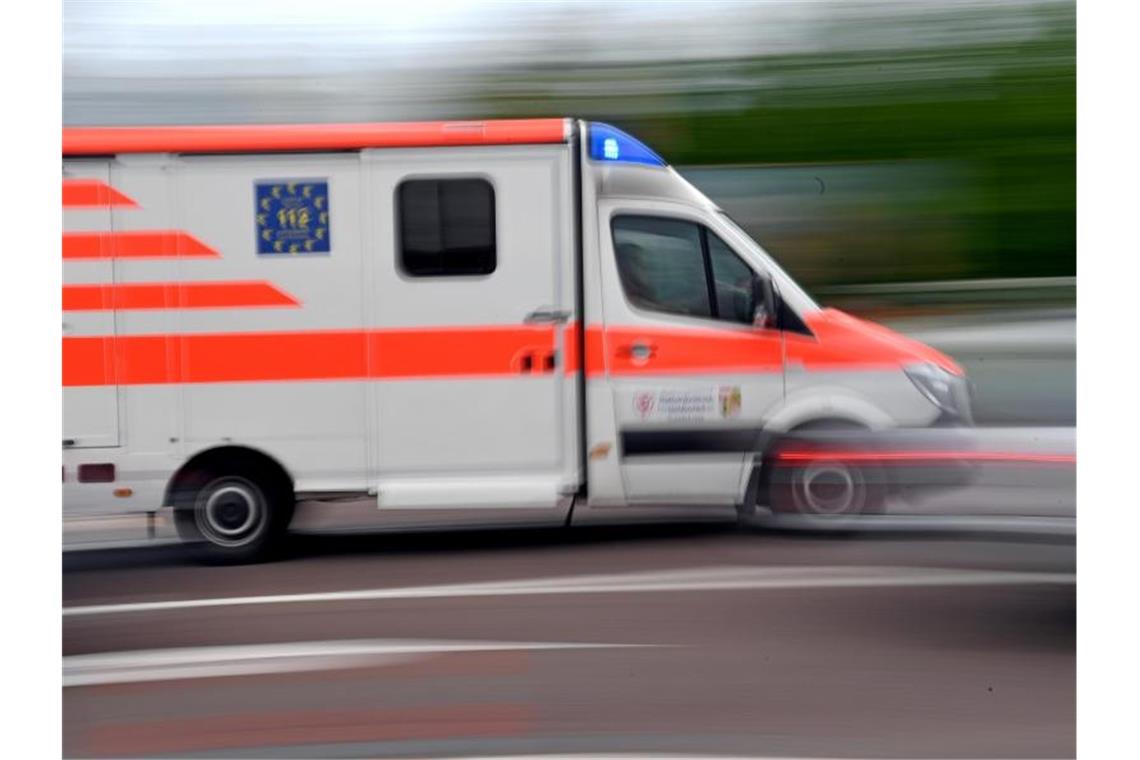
column 693, row 579
column 257, row 659
column 631, row 756
column 1050, row 526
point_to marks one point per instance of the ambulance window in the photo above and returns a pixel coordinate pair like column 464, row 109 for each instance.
column 661, row 265
column 732, row 279
column 446, row 227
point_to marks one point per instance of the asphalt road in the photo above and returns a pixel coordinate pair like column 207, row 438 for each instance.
column 688, row 640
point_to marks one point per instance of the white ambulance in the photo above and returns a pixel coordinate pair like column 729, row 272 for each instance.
column 524, row 322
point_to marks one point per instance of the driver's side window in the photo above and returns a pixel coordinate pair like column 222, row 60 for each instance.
column 678, row 267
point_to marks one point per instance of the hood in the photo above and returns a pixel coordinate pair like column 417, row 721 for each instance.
column 843, row 339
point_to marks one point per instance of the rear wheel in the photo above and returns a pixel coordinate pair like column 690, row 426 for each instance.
column 233, row 517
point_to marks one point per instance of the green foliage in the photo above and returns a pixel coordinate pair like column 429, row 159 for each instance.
column 1005, row 112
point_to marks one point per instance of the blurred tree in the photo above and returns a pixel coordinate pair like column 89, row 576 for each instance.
column 981, row 89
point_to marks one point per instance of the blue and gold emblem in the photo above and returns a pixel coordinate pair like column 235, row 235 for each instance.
column 292, row 217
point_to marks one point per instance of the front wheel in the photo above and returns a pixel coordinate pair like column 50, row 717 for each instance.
column 826, row 489
column 232, row 518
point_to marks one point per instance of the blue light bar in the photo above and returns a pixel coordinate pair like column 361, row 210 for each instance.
column 611, row 144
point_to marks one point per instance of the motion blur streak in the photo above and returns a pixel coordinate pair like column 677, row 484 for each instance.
column 242, row 731
column 213, row 662
column 927, row 456
column 697, row 579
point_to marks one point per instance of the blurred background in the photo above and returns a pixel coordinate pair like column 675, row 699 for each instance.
column 910, row 161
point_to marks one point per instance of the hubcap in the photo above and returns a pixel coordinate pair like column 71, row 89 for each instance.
column 829, row 488
column 230, row 512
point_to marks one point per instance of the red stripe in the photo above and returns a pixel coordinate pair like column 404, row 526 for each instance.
column 299, row 137
column 924, row 456
column 93, row 193
column 169, row 295
column 154, row 244
column 309, row 355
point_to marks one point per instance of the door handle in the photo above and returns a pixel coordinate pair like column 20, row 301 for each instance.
column 638, row 351
column 536, row 361
column 546, row 315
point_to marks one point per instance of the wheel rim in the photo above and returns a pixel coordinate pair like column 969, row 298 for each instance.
column 829, row 488
column 230, row 512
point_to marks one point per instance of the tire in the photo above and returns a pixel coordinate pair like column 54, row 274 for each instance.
column 233, row 518
column 826, row 491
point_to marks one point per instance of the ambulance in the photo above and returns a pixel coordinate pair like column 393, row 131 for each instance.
column 524, row 322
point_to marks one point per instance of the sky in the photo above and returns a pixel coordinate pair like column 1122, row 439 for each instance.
column 436, row 32
column 233, row 60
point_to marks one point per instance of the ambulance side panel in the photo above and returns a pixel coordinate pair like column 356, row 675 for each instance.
column 435, row 394
column 306, row 408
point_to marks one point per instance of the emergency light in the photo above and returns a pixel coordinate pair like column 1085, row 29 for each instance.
column 607, row 143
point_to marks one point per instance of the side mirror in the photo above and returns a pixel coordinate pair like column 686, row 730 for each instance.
column 764, row 306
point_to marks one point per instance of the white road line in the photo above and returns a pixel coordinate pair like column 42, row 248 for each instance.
column 629, row 756
column 1053, row 526
column 210, row 662
column 694, row 579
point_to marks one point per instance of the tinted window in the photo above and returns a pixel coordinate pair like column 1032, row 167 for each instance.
column 667, row 265
column 446, row 227
column 661, row 265
column 733, row 282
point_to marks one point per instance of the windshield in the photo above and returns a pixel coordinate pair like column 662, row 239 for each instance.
column 784, row 281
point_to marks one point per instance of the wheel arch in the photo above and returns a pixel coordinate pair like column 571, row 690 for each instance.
column 842, row 408
column 228, row 459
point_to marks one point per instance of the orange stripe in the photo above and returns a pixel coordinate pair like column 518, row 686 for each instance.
column 595, row 354
column 492, row 351
column 689, row 351
column 295, row 137
column 570, row 341
column 93, row 193
column 838, row 344
column 310, row 355
column 163, row 295
column 446, row 352
column 154, row 244
column 84, row 361
column 844, row 342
